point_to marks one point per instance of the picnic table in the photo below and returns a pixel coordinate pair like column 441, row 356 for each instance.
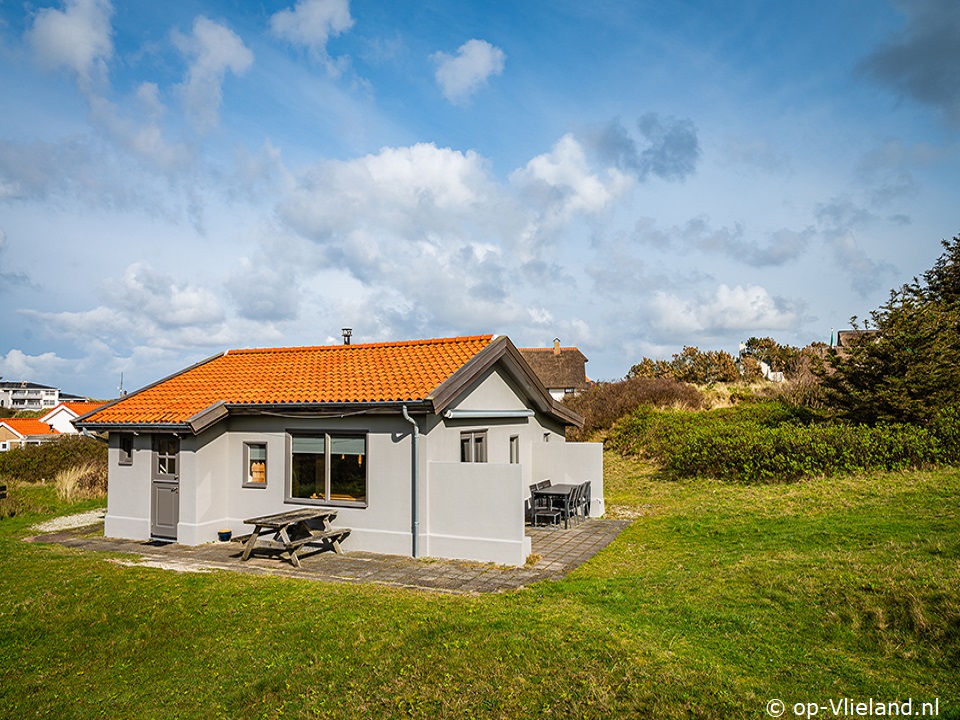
column 291, row 531
column 555, row 495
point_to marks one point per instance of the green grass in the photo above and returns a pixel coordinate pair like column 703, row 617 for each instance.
column 716, row 599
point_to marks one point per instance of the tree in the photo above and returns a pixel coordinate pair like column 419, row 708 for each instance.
column 691, row 365
column 908, row 369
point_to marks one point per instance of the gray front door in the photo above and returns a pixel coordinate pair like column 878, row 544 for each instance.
column 165, row 488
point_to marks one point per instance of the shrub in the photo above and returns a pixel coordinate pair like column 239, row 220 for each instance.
column 605, row 403
column 39, row 463
column 775, row 442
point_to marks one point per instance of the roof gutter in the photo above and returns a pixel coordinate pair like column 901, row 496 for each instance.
column 415, row 482
column 486, row 414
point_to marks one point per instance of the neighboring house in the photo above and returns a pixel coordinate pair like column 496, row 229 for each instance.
column 17, row 432
column 562, row 370
column 848, row 338
column 28, row 396
column 62, row 416
column 426, row 447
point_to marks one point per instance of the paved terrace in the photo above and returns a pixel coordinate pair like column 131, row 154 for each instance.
column 555, row 553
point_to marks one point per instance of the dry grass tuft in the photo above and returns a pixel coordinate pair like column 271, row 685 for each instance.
column 82, row 482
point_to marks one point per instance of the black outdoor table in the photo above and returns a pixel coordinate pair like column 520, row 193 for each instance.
column 553, row 493
column 291, row 531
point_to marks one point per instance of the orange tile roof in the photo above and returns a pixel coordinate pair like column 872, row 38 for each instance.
column 376, row 372
column 81, row 407
column 28, row 426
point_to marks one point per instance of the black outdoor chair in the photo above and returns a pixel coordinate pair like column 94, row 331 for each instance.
column 569, row 509
column 541, row 507
column 583, row 506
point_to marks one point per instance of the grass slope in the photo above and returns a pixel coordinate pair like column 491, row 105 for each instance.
column 717, row 599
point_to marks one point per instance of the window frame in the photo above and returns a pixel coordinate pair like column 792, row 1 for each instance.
column 125, row 456
column 328, row 436
column 473, row 436
column 248, row 481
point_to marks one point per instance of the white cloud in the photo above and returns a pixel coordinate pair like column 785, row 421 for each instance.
column 408, row 193
column 18, row 366
column 461, row 75
column 311, row 23
column 214, row 50
column 747, row 309
column 78, row 37
column 560, row 185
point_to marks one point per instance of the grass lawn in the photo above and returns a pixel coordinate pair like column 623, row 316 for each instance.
column 717, row 599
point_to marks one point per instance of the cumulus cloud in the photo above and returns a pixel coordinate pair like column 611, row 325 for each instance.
column 427, row 233
column 559, row 185
column 146, row 308
column 214, row 50
column 311, row 23
column 78, row 37
column 743, row 309
column 670, row 148
column 920, row 62
column 18, row 366
column 460, row 76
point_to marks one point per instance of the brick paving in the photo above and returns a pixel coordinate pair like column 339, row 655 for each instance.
column 555, row 552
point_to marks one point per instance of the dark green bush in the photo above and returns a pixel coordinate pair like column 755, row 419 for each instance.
column 38, row 463
column 773, row 442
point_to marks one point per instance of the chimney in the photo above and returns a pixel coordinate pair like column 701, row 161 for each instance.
column 347, row 333
column 556, row 346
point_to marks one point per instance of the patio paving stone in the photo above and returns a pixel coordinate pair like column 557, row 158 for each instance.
column 556, row 552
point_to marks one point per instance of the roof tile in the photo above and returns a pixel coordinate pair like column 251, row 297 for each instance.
column 28, row 426
column 375, row 372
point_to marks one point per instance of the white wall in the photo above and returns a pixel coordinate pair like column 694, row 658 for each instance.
column 128, row 493
column 476, row 512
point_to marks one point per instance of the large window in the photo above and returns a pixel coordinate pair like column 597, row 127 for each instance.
column 473, row 446
column 329, row 467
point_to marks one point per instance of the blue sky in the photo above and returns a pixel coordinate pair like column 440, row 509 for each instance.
column 181, row 178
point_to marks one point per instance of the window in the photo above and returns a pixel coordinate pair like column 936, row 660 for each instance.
column 125, row 444
column 473, row 446
column 329, row 467
column 165, row 448
column 255, row 464
column 514, row 449
column 546, row 437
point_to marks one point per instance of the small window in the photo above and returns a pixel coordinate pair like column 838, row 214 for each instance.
column 255, row 464
column 546, row 437
column 125, row 445
column 473, row 446
column 514, row 449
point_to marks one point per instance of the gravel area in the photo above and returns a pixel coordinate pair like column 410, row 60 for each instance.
column 68, row 522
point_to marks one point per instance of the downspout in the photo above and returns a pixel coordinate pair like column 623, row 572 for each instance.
column 415, row 481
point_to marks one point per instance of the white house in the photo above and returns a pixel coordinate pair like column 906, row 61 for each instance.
column 426, row 447
column 62, row 416
column 28, row 396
